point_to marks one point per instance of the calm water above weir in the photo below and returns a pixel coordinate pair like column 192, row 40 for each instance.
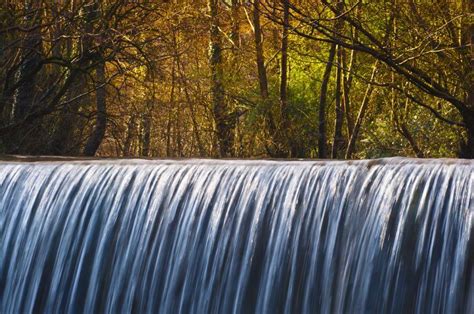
column 205, row 236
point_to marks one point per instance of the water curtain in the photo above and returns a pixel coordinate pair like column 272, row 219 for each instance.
column 206, row 236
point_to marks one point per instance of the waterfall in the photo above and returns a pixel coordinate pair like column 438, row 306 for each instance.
column 207, row 236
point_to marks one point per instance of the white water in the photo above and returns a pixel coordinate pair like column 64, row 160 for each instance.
column 392, row 236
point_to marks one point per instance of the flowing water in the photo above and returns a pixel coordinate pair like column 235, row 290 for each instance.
column 387, row 236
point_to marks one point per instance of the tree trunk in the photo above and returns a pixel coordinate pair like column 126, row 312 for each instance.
column 284, row 76
column 63, row 141
column 63, row 138
column 338, row 141
column 360, row 117
column 129, row 138
column 467, row 40
column 169, row 150
column 346, row 87
column 146, row 121
column 192, row 111
column 7, row 95
column 322, row 138
column 400, row 124
column 31, row 61
column 98, row 132
column 177, row 127
column 402, row 128
column 467, row 145
column 235, row 31
column 262, row 71
column 222, row 118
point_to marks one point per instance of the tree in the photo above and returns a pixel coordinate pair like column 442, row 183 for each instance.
column 449, row 87
column 224, row 123
column 98, row 133
column 199, row 78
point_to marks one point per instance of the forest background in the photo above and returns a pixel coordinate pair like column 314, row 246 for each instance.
column 338, row 79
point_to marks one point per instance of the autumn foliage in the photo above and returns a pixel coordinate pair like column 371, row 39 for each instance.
column 234, row 78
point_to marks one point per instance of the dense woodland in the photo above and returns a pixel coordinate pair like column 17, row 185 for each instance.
column 234, row 78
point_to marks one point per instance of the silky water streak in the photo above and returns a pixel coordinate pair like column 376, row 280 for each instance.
column 208, row 236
